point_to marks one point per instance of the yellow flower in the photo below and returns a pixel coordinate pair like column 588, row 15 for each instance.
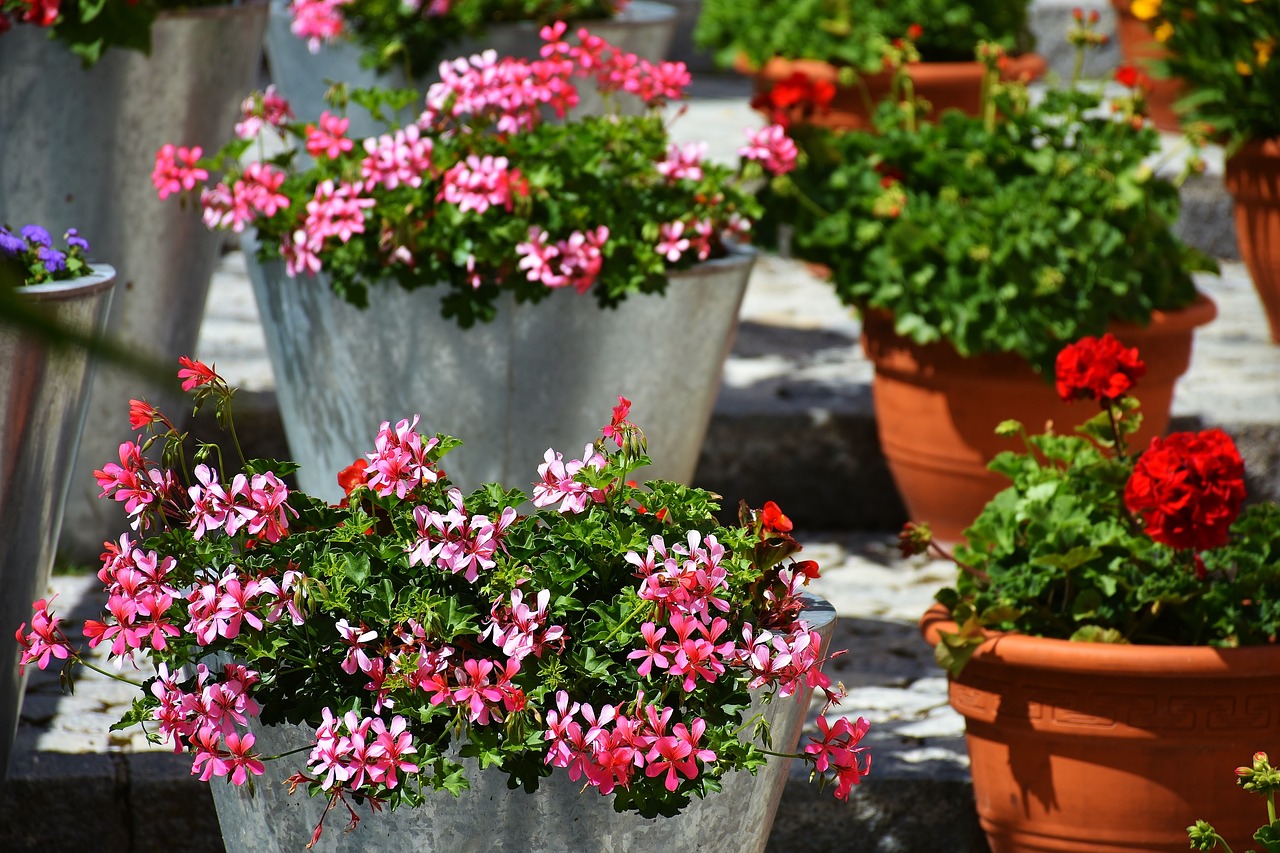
column 1145, row 10
column 1264, row 49
column 1164, row 32
column 1243, row 69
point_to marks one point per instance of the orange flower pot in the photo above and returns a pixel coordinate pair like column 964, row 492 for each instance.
column 1100, row 748
column 936, row 411
column 1253, row 178
column 945, row 85
column 1140, row 49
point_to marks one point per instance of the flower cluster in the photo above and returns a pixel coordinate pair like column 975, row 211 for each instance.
column 593, row 637
column 482, row 194
column 1188, row 489
column 1092, row 542
column 1097, row 369
column 416, row 33
column 30, row 257
column 1223, row 54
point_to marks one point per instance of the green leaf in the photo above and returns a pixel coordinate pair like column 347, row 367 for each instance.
column 357, row 568
column 1097, row 634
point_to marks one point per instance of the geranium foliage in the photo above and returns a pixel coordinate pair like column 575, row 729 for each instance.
column 854, row 33
column 1017, row 230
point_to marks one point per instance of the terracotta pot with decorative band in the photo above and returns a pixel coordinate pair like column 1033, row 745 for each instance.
column 937, row 411
column 1102, row 748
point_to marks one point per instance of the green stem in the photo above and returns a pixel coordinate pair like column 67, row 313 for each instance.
column 740, row 729
column 645, row 607
column 108, row 673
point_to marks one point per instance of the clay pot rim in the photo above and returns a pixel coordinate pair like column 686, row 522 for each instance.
column 1029, row 63
column 1200, row 312
column 1046, row 653
column 1254, row 149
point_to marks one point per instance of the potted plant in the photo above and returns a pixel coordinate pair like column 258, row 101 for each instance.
column 483, row 215
column 1222, row 54
column 974, row 248
column 1145, row 51
column 1111, row 637
column 313, row 44
column 43, row 391
column 123, row 78
column 411, row 642
column 830, row 59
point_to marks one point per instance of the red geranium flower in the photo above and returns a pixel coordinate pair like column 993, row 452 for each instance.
column 773, row 518
column 351, row 476
column 1097, row 369
column 195, row 373
column 1131, row 77
column 795, row 94
column 1188, row 488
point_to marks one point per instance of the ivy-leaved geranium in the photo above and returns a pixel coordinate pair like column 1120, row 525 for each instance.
column 1095, row 541
column 855, row 33
column 1017, row 230
column 89, row 27
column 416, row 34
column 483, row 195
column 1222, row 50
column 614, row 632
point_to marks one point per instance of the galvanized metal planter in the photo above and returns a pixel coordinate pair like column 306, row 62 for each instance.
column 558, row 817
column 539, row 376
column 79, row 146
column 43, row 396
column 302, row 77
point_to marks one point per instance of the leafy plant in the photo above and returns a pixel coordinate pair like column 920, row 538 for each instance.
column 90, row 27
column 615, row 632
column 29, row 257
column 415, row 35
column 1257, row 778
column 1095, row 543
column 482, row 195
column 854, row 33
column 1222, row 50
column 1016, row 230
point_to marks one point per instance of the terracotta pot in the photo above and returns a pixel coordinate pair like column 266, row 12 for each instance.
column 1107, row 748
column 945, row 85
column 1140, row 49
column 936, row 411
column 1253, row 178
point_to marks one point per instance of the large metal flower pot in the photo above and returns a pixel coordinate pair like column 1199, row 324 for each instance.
column 43, row 396
column 560, row 816
column 302, row 77
column 539, row 376
column 79, row 147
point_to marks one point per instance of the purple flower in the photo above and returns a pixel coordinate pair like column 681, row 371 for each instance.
column 54, row 261
column 11, row 245
column 74, row 239
column 37, row 235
